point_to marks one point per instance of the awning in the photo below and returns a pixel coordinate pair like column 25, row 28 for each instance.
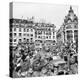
column 58, row 61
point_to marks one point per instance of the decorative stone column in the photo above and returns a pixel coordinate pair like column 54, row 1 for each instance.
column 73, row 35
column 65, row 35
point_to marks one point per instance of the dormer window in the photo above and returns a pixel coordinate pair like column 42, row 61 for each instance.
column 69, row 21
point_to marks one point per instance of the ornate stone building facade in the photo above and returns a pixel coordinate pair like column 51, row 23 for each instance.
column 70, row 27
column 32, row 32
column 45, row 33
column 21, row 30
column 60, row 35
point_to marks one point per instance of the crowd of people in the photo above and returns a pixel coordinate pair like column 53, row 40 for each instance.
column 27, row 61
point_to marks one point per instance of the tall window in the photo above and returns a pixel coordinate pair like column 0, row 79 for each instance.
column 53, row 33
column 36, row 32
column 39, row 37
column 46, row 33
column 76, row 34
column 10, row 40
column 49, row 29
column 31, row 35
column 24, row 34
column 69, row 35
column 15, row 34
column 14, row 40
column 27, row 30
column 31, row 30
column 27, row 40
column 53, row 36
column 20, row 29
column 27, row 34
column 10, row 29
column 75, row 26
column 47, row 37
column 24, row 29
column 31, row 39
column 24, row 38
column 50, row 37
column 49, row 33
column 20, row 34
column 19, row 40
column 10, row 34
column 14, row 29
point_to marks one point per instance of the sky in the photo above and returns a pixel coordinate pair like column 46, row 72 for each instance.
column 49, row 13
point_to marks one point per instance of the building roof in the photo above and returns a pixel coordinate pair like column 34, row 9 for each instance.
column 71, row 17
column 29, row 23
column 15, row 20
